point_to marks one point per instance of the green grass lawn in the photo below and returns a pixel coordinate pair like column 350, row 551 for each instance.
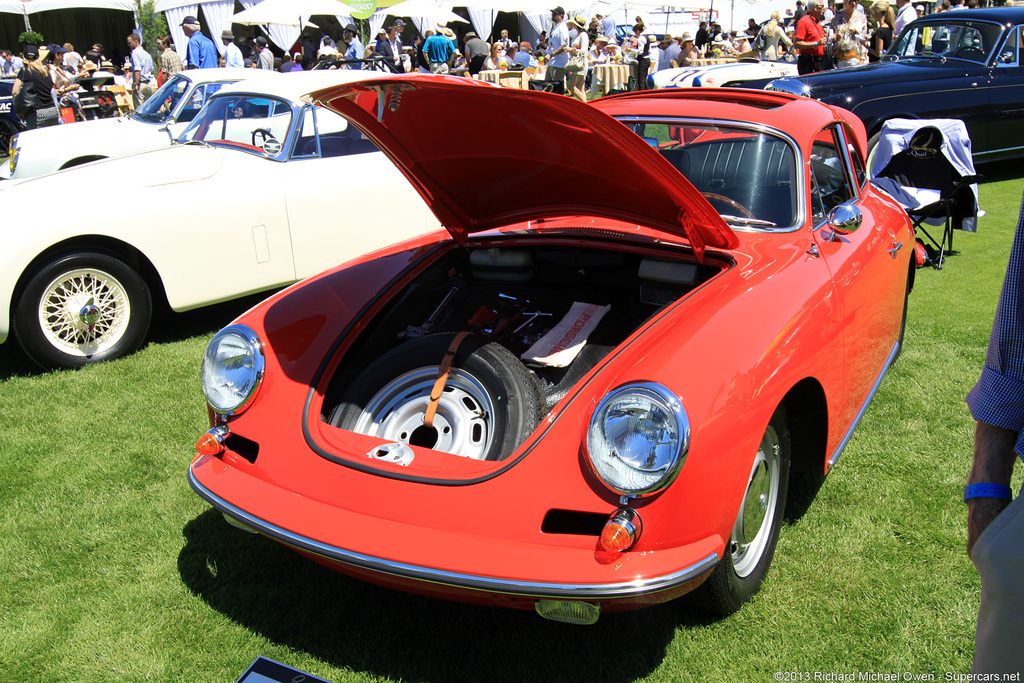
column 112, row 569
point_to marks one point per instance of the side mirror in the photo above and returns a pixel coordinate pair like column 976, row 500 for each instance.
column 845, row 218
column 168, row 123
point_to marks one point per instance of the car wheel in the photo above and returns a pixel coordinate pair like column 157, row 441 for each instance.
column 82, row 309
column 7, row 131
column 750, row 549
column 489, row 405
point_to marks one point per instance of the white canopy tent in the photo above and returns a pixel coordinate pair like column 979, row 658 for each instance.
column 29, row 7
column 426, row 14
column 283, row 20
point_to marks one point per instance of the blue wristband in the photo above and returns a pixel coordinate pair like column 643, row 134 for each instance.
column 987, row 491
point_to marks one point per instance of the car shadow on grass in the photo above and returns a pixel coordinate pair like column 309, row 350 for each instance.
column 354, row 625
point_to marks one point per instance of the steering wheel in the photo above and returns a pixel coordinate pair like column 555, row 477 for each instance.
column 731, row 202
column 265, row 133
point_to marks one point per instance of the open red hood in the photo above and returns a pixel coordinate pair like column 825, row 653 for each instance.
column 485, row 157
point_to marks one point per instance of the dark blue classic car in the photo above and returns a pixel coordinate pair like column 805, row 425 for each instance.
column 9, row 123
column 966, row 64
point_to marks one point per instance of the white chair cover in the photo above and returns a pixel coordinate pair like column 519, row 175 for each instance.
column 956, row 147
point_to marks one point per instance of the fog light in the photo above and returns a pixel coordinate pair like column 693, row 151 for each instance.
column 621, row 531
column 569, row 611
column 212, row 442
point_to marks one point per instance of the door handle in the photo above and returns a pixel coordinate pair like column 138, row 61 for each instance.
column 896, row 246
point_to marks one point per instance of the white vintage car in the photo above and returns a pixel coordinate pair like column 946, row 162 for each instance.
column 259, row 191
column 740, row 73
column 158, row 121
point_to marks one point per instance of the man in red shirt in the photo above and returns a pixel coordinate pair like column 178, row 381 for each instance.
column 809, row 39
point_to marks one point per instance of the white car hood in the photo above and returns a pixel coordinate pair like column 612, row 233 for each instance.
column 116, row 127
column 100, row 180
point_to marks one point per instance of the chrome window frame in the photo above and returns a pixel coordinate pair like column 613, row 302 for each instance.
column 803, row 191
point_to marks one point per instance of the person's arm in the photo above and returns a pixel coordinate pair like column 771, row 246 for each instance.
column 16, row 88
column 993, row 464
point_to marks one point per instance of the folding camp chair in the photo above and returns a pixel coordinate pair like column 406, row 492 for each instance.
column 926, row 166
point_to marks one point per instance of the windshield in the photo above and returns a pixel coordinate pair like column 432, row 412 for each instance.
column 160, row 104
column 970, row 40
column 747, row 175
column 254, row 123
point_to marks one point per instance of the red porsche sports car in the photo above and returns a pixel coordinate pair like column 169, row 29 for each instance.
column 589, row 394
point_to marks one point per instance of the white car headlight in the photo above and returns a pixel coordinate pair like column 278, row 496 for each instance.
column 638, row 438
column 232, row 369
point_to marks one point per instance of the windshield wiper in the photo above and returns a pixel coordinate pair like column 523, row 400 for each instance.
column 741, row 220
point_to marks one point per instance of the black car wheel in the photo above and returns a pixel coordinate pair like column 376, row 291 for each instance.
column 82, row 309
column 752, row 545
column 489, row 405
column 7, row 131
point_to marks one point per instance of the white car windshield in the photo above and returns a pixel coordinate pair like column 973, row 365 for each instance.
column 970, row 40
column 163, row 102
column 254, row 123
column 748, row 176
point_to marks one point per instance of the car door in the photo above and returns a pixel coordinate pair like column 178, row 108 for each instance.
column 344, row 197
column 868, row 277
column 1006, row 93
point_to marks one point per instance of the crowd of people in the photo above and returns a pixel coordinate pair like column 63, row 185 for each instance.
column 819, row 35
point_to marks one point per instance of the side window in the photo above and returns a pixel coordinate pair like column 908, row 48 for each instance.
column 335, row 136
column 858, row 163
column 830, row 184
column 1009, row 55
column 197, row 99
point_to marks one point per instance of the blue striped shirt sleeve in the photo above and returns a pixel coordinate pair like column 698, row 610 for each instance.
column 998, row 397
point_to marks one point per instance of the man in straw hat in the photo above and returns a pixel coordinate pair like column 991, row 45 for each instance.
column 439, row 50
column 232, row 53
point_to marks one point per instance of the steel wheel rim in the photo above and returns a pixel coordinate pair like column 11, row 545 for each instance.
column 753, row 529
column 63, row 312
column 463, row 424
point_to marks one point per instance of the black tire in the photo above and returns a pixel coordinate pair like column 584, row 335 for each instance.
column 749, row 553
column 490, row 405
column 48, row 318
column 7, row 131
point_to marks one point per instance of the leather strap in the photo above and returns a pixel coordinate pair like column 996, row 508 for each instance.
column 442, row 377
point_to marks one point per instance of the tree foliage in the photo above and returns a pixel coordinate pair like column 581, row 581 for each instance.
column 152, row 24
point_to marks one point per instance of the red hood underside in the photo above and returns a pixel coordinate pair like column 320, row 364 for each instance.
column 485, row 157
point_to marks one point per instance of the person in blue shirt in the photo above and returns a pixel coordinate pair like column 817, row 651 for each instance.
column 201, row 53
column 439, row 49
column 525, row 55
column 995, row 525
column 355, row 46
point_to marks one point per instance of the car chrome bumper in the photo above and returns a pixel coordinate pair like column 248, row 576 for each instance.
column 599, row 591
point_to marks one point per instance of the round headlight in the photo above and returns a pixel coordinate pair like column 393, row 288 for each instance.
column 232, row 369
column 638, row 438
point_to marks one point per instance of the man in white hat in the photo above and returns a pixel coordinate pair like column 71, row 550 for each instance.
column 439, row 49
column 232, row 54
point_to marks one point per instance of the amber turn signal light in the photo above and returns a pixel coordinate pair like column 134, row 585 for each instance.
column 621, row 531
column 212, row 442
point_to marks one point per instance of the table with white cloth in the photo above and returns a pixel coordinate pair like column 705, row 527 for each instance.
column 608, row 77
column 511, row 78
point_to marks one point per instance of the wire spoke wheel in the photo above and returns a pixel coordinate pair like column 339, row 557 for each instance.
column 84, row 312
column 80, row 309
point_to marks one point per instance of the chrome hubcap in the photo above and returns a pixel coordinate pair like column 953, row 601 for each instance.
column 462, row 425
column 754, row 523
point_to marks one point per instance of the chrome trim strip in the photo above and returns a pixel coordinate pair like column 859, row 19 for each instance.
column 864, row 407
column 600, row 591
